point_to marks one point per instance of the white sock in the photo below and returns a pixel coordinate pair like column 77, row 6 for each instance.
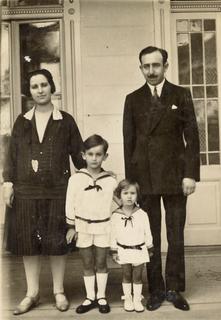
column 101, row 284
column 89, row 282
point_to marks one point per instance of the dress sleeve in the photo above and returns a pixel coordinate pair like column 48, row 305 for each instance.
column 11, row 153
column 70, row 202
column 76, row 145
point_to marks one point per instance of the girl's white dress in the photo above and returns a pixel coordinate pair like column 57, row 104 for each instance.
column 133, row 232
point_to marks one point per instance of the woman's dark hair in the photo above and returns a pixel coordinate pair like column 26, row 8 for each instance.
column 151, row 49
column 45, row 73
column 94, row 141
column 125, row 184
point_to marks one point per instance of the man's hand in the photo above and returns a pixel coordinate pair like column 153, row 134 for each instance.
column 189, row 186
column 71, row 234
column 8, row 194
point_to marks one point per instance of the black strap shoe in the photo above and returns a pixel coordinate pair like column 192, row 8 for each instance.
column 103, row 308
column 155, row 300
column 177, row 300
column 86, row 307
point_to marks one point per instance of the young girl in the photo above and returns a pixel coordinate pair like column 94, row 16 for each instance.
column 131, row 242
column 88, row 210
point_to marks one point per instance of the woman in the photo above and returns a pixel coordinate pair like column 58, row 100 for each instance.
column 36, row 175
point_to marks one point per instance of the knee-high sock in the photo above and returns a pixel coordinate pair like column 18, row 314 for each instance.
column 89, row 283
column 101, row 284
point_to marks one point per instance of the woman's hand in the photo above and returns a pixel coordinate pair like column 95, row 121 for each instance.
column 114, row 256
column 8, row 193
column 151, row 251
column 71, row 234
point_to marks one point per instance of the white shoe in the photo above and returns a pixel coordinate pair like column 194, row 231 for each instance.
column 128, row 301
column 137, row 289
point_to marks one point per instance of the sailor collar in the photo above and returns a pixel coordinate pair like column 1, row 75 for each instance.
column 120, row 210
column 56, row 114
column 103, row 174
column 126, row 218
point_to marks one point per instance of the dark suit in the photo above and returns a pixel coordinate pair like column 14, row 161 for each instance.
column 158, row 158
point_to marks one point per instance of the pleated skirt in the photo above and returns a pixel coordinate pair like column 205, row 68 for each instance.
column 36, row 227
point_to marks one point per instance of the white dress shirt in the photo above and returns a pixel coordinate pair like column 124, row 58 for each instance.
column 159, row 88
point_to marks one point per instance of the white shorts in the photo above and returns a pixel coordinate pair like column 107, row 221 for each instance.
column 85, row 240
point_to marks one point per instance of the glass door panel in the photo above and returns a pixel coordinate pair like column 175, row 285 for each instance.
column 197, row 70
column 40, row 49
column 5, row 94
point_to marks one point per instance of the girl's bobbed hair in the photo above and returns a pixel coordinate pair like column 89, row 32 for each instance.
column 45, row 73
column 125, row 184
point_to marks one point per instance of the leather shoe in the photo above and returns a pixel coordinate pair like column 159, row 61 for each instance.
column 86, row 307
column 61, row 305
column 155, row 301
column 177, row 300
column 25, row 307
column 103, row 308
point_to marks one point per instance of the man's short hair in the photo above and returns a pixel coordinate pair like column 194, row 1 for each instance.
column 151, row 49
column 94, row 141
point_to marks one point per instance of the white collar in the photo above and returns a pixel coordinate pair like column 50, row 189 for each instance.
column 159, row 87
column 56, row 114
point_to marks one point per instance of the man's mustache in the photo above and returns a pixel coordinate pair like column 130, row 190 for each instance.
column 152, row 77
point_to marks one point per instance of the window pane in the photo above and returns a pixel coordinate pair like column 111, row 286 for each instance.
column 197, row 58
column 200, row 117
column 198, row 92
column 213, row 125
column 203, row 159
column 34, row 2
column 214, row 158
column 40, row 48
column 210, row 57
column 212, row 91
column 210, row 25
column 182, row 25
column 195, row 25
column 183, row 58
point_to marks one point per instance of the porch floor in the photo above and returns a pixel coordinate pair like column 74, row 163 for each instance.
column 203, row 272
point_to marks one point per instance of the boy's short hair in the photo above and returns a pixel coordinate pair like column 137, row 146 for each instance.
column 94, row 141
column 125, row 184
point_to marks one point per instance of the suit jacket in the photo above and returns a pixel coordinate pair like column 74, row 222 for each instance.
column 160, row 147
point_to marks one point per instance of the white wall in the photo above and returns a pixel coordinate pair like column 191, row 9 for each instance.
column 112, row 34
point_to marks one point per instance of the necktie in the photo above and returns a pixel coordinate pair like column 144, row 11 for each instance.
column 155, row 94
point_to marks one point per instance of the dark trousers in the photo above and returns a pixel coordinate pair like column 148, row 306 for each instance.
column 175, row 208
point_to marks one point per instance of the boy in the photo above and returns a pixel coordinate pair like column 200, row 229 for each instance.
column 88, row 209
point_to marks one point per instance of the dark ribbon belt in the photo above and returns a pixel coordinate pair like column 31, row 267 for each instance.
column 92, row 221
column 136, row 247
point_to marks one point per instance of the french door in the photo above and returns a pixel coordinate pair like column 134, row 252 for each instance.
column 196, row 62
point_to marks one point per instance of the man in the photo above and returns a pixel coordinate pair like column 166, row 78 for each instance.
column 161, row 152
